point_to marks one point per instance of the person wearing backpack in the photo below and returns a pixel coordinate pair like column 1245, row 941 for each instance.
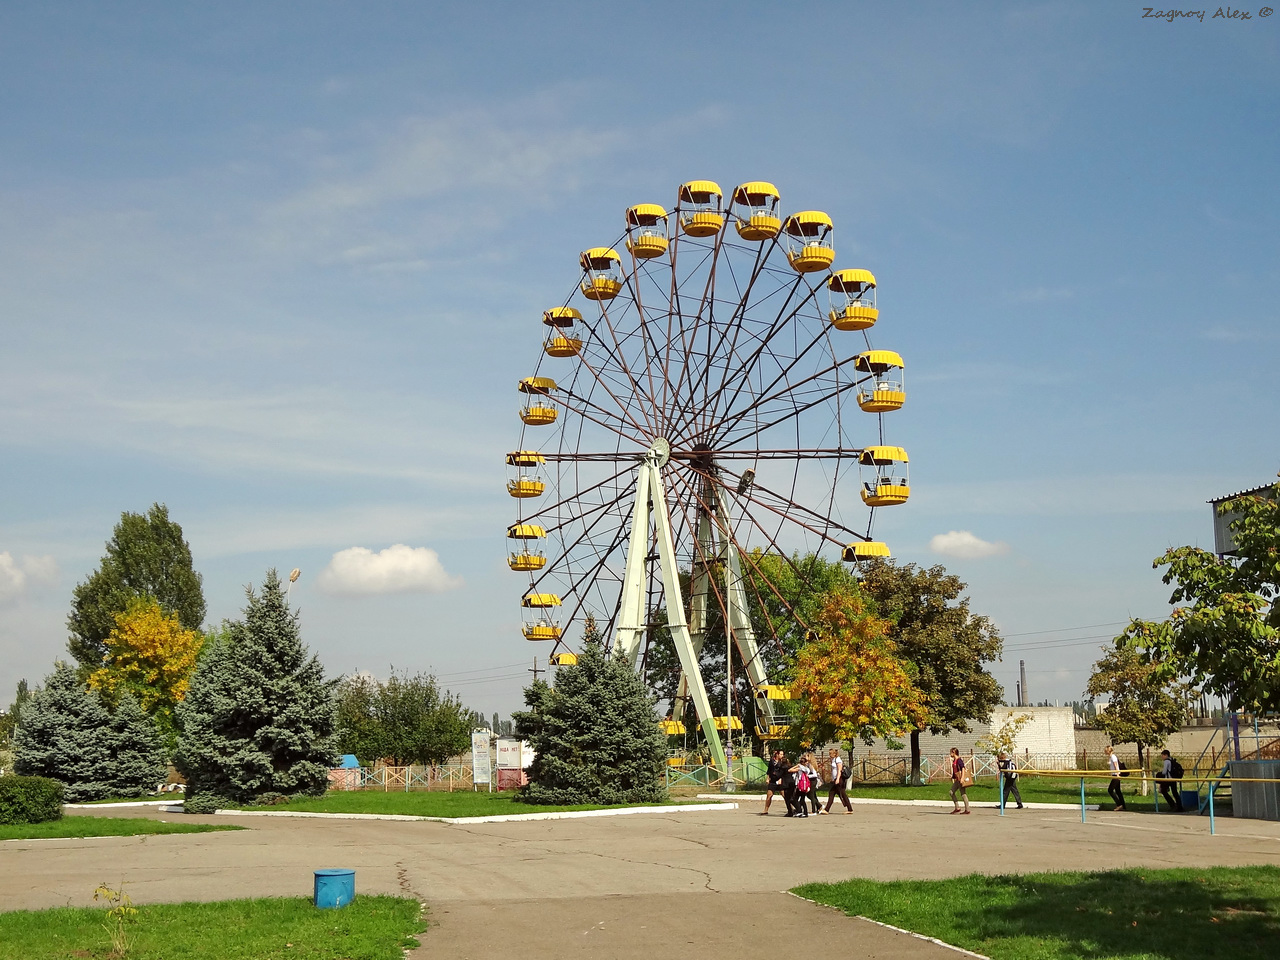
column 802, row 785
column 1009, row 768
column 1171, row 781
column 839, row 777
column 790, row 794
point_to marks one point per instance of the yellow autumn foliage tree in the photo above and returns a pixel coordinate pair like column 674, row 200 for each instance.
column 151, row 655
column 849, row 679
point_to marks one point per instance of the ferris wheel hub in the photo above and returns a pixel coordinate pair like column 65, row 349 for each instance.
column 660, row 452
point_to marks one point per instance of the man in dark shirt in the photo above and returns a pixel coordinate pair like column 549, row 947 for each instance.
column 776, row 770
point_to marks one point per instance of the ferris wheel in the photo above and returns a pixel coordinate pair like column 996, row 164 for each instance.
column 706, row 394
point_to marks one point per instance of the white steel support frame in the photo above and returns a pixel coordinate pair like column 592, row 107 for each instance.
column 735, row 597
column 651, row 505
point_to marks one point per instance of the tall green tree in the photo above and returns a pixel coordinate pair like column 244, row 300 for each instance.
column 406, row 719
column 146, row 557
column 948, row 645
column 595, row 733
column 1224, row 632
column 258, row 717
column 9, row 719
column 138, row 755
column 1145, row 706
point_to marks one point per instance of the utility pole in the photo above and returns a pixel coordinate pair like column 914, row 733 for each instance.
column 534, row 669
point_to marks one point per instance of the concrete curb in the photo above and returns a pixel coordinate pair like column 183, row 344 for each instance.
column 985, row 804
column 555, row 815
column 112, row 806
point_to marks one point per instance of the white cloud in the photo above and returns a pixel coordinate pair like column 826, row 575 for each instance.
column 17, row 577
column 397, row 569
column 964, row 545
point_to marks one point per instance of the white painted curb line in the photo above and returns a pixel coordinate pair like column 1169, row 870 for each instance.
column 889, row 926
column 986, row 804
column 555, row 815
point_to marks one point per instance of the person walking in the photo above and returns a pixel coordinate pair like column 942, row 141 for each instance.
column 1171, row 781
column 791, row 793
column 815, row 780
column 774, row 771
column 960, row 780
column 839, row 777
column 1113, row 788
column 1009, row 768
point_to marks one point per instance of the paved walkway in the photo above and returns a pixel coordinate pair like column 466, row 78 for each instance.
column 560, row 885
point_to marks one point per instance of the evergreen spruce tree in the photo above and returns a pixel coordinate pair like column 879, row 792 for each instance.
column 595, row 733
column 139, row 751
column 258, row 718
column 64, row 733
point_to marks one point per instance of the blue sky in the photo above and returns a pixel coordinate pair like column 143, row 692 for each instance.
column 279, row 266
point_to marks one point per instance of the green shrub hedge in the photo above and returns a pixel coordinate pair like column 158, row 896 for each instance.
column 205, row 803
column 30, row 799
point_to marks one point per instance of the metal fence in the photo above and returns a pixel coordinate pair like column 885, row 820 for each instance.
column 444, row 776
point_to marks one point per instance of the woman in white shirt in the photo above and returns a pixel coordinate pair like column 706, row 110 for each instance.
column 838, row 778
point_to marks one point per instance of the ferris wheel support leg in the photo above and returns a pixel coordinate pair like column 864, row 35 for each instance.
column 740, row 618
column 697, row 608
column 630, row 631
column 677, row 622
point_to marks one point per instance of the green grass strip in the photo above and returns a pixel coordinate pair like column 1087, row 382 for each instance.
column 369, row 928
column 101, row 827
column 1216, row 913
column 433, row 804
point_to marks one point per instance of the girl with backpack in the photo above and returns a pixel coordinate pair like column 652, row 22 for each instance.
column 1113, row 788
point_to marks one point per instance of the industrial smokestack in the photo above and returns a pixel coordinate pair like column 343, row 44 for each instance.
column 1023, row 696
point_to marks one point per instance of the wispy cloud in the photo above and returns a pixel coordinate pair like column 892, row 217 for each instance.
column 397, row 569
column 966, row 546
column 20, row 576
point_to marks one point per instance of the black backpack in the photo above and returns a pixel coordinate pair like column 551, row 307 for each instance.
column 1124, row 771
column 1175, row 769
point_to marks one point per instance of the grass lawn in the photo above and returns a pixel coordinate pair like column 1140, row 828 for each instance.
column 460, row 803
column 1182, row 914
column 369, row 928
column 101, row 827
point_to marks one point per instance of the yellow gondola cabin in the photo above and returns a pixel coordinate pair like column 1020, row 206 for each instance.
column 809, row 241
column 647, row 230
column 561, row 340
column 601, row 273
column 885, row 391
column 540, row 410
column 755, row 210
column 852, row 297
column 889, row 484
column 700, row 209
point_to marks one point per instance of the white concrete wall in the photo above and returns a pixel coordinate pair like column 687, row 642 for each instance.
column 1051, row 730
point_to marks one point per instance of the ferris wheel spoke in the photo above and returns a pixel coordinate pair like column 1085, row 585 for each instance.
column 589, row 576
column 756, row 428
column 577, row 495
column 618, row 357
column 735, row 321
column 792, row 388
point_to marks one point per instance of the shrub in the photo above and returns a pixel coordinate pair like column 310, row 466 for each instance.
column 205, row 803
column 30, row 799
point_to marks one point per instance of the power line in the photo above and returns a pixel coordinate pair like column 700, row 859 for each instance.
column 1087, row 626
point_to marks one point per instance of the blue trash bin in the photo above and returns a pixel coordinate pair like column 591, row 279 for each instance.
column 1190, row 799
column 334, row 888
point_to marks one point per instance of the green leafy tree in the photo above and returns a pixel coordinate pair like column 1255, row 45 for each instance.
column 146, row 557
column 784, row 597
column 405, row 720
column 849, row 679
column 595, row 733
column 1145, row 706
column 258, row 717
column 9, row 719
column 948, row 645
column 1225, row 636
